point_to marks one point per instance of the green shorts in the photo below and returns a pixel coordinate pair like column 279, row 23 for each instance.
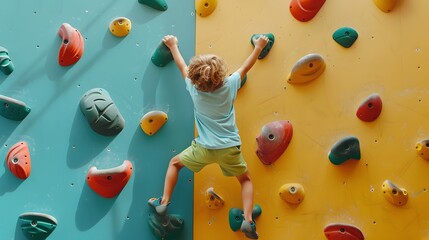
column 230, row 160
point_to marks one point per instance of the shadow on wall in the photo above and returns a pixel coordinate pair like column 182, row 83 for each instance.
column 8, row 182
column 91, row 208
column 79, row 153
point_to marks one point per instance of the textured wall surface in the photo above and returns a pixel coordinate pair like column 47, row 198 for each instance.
column 390, row 57
column 63, row 146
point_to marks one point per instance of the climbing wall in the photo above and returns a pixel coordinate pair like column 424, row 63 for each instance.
column 61, row 143
column 389, row 58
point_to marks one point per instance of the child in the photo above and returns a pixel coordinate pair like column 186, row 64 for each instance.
column 218, row 141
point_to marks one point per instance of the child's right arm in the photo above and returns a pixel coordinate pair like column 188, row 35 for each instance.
column 171, row 42
column 259, row 43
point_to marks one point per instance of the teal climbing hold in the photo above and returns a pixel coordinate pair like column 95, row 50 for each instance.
column 236, row 216
column 166, row 227
column 345, row 149
column 269, row 45
column 101, row 112
column 160, row 5
column 13, row 109
column 345, row 36
column 37, row 226
column 162, row 55
column 6, row 65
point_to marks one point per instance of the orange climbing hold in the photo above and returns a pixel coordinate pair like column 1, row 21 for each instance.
column 273, row 141
column 292, row 193
column 305, row 10
column 109, row 182
column 120, row 27
column 152, row 121
column 71, row 49
column 18, row 160
column 343, row 232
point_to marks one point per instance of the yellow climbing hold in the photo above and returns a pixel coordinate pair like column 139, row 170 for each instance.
column 395, row 195
column 422, row 148
column 307, row 69
column 152, row 121
column 385, row 5
column 120, row 27
column 205, row 7
column 292, row 193
column 213, row 200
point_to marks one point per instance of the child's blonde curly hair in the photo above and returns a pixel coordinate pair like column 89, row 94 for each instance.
column 207, row 72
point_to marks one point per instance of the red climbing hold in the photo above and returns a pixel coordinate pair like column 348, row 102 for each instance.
column 109, row 182
column 305, row 10
column 71, row 49
column 343, row 232
column 18, row 160
column 370, row 109
column 273, row 140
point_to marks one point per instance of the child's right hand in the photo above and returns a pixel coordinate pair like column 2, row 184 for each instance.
column 170, row 41
column 260, row 42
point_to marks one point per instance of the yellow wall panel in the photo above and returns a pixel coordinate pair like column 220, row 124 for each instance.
column 390, row 57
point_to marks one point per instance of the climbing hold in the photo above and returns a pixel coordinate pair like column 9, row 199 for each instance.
column 422, row 148
column 160, row 5
column 370, row 109
column 152, row 121
column 273, row 140
column 213, row 200
column 6, row 65
column 102, row 114
column 18, row 160
column 71, row 49
column 109, row 182
column 205, row 7
column 385, row 5
column 269, row 45
column 37, row 226
column 395, row 195
column 162, row 55
column 343, row 232
column 345, row 149
column 236, row 216
column 345, row 36
column 13, row 109
column 120, row 27
column 165, row 226
column 305, row 10
column 292, row 193
column 307, row 69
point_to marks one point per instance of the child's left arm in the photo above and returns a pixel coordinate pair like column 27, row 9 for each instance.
column 171, row 42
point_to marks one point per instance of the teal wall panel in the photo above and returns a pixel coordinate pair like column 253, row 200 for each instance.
column 63, row 146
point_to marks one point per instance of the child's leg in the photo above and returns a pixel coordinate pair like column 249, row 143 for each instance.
column 171, row 178
column 246, row 195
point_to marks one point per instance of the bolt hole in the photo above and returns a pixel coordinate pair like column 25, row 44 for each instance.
column 271, row 137
column 15, row 160
column 347, row 33
column 311, row 65
column 206, row 4
column 342, row 230
column 6, row 105
column 394, row 191
column 66, row 41
column 370, row 105
column 109, row 177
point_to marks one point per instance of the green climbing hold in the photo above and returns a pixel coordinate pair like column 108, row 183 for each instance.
column 345, row 36
column 13, row 109
column 6, row 65
column 162, row 55
column 160, row 5
column 268, row 47
column 345, row 149
column 37, row 226
column 236, row 216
